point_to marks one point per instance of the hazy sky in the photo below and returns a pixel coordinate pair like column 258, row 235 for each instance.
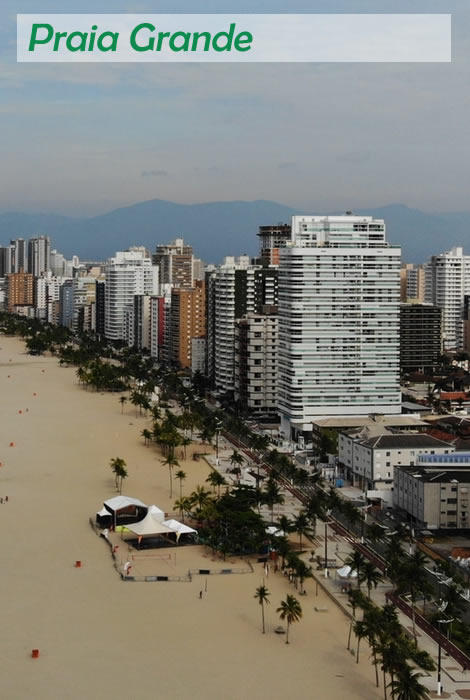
column 84, row 139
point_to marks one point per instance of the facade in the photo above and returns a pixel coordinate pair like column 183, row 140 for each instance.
column 198, row 355
column 434, row 494
column 157, row 326
column 100, row 307
column 234, row 289
column 19, row 255
column 127, row 274
column 412, row 283
column 175, row 262
column 339, row 316
column 20, row 290
column 39, row 255
column 187, row 321
column 370, row 459
column 271, row 239
column 5, row 261
column 420, row 336
column 255, row 380
column 449, row 282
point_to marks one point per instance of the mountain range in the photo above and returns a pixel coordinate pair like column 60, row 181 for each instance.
column 216, row 229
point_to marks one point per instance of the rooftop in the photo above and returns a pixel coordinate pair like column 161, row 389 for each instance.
column 429, row 475
column 406, row 440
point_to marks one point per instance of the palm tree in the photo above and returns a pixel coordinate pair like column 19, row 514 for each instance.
column 184, row 506
column 302, row 571
column 302, row 527
column 360, row 630
column 200, row 497
column 181, row 476
column 117, row 464
column 147, row 435
column 236, row 459
column 406, row 685
column 285, row 524
column 262, row 595
column 122, row 401
column 273, row 496
column 291, row 611
column 371, row 576
column 216, row 480
column 170, row 462
column 357, row 561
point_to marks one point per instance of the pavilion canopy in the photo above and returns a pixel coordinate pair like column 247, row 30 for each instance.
column 179, row 528
column 119, row 502
column 150, row 525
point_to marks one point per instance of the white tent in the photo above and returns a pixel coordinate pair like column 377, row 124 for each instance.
column 157, row 513
column 150, row 525
column 275, row 531
column 346, row 572
column 118, row 502
column 179, row 528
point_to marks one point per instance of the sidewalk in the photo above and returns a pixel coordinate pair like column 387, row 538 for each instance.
column 455, row 682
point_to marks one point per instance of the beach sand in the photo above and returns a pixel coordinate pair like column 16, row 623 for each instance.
column 99, row 637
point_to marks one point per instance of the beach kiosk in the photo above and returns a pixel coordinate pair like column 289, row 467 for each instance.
column 123, row 510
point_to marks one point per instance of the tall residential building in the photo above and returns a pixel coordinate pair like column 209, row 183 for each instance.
column 19, row 259
column 100, row 307
column 256, row 361
column 20, row 290
column 127, row 274
column 448, row 283
column 271, row 239
column 412, row 283
column 39, row 255
column 339, row 317
column 233, row 289
column 187, row 321
column 420, row 336
column 157, row 326
column 5, row 260
column 175, row 262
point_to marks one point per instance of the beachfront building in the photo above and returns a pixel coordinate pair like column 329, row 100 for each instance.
column 20, row 290
column 5, row 261
column 39, row 255
column 127, row 274
column 271, row 239
column 339, row 316
column 420, row 336
column 234, row 289
column 434, row 494
column 176, row 264
column 370, row 455
column 19, row 255
column 255, row 372
column 187, row 320
column 449, row 282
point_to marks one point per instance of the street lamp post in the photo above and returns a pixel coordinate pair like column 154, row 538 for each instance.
column 364, row 514
column 440, row 622
column 327, row 522
column 218, row 426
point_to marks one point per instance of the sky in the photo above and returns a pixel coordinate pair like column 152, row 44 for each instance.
column 84, row 139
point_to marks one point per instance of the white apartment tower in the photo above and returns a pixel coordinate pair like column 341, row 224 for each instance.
column 39, row 255
column 339, row 316
column 448, row 281
column 127, row 274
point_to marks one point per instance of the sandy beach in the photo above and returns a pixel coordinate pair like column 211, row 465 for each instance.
column 100, row 637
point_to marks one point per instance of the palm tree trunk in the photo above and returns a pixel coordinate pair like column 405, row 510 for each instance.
column 357, row 651
column 349, row 635
column 262, row 615
column 287, row 633
column 171, row 483
column 385, row 686
column 374, row 654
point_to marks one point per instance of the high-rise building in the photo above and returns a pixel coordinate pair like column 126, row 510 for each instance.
column 100, row 307
column 39, row 255
column 175, row 262
column 6, row 254
column 339, row 316
column 20, row 290
column 449, row 281
column 412, row 283
column 233, row 289
column 19, row 259
column 187, row 321
column 157, row 326
column 128, row 274
column 271, row 239
column 420, row 336
column 255, row 371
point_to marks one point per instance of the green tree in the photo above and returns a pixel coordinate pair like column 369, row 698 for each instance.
column 262, row 596
column 357, row 561
column 181, row 476
column 291, row 611
column 406, row 685
column 170, row 461
column 302, row 572
column 147, row 435
column 122, row 401
column 118, row 466
column 302, row 527
column 216, row 480
column 371, row 576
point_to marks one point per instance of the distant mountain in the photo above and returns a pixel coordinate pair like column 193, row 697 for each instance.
column 221, row 228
